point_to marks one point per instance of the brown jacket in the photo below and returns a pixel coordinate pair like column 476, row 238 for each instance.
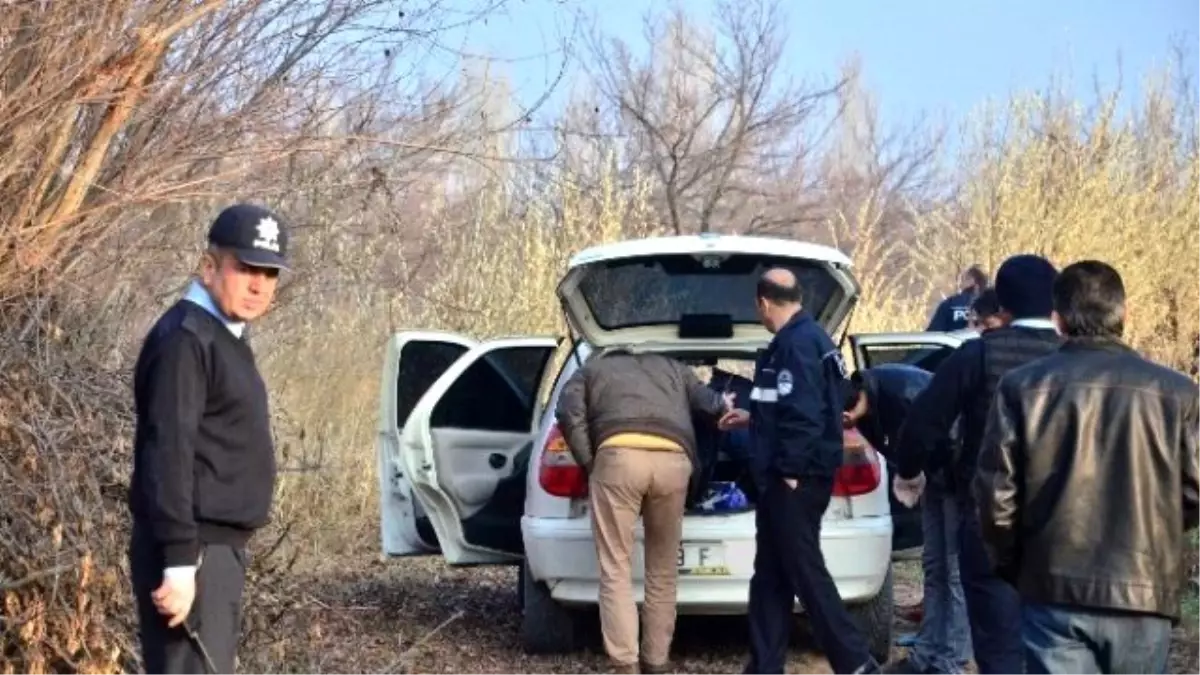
column 632, row 393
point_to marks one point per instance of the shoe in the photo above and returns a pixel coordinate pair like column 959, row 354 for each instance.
column 904, row 666
column 869, row 668
column 626, row 668
column 905, row 640
column 656, row 669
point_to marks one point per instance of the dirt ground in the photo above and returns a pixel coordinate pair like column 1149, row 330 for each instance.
column 418, row 615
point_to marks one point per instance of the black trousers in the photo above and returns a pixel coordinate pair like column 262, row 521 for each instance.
column 788, row 564
column 215, row 616
column 993, row 605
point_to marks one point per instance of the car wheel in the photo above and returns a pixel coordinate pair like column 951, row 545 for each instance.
column 546, row 626
column 876, row 620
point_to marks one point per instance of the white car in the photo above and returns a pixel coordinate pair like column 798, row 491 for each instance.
column 472, row 465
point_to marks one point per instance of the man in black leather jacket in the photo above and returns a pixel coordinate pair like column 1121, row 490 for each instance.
column 1087, row 483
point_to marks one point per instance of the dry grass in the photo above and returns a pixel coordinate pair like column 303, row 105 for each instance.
column 1039, row 175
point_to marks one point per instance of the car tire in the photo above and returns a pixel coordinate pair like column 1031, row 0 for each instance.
column 876, row 619
column 546, row 626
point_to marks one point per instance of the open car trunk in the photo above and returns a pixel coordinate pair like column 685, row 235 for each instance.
column 723, row 456
column 696, row 292
column 694, row 297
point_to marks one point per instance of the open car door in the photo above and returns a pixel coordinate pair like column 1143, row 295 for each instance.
column 413, row 362
column 467, row 445
column 924, row 350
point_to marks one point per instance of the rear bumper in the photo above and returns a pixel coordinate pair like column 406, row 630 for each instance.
column 562, row 553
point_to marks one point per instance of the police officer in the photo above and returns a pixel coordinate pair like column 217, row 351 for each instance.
column 963, row 387
column 953, row 312
column 203, row 458
column 796, row 427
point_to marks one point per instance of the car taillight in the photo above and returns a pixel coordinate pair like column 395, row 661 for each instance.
column 860, row 472
column 558, row 474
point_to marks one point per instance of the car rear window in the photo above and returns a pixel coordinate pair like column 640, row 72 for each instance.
column 641, row 292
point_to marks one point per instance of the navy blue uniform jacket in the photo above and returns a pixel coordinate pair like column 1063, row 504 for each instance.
column 951, row 314
column 796, row 411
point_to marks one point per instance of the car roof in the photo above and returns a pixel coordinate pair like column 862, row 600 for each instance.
column 714, row 243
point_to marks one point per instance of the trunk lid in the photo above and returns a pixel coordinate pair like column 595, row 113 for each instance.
column 696, row 289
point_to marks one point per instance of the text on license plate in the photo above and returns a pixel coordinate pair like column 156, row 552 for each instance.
column 702, row 559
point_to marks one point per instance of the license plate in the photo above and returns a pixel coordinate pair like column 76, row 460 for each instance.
column 702, row 559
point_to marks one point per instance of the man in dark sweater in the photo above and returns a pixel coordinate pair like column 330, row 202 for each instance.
column 963, row 386
column 204, row 460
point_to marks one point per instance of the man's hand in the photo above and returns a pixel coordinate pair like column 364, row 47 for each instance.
column 908, row 491
column 734, row 419
column 174, row 597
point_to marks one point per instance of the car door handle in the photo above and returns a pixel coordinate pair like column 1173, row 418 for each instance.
column 497, row 460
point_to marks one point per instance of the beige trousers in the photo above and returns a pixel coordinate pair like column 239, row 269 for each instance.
column 625, row 483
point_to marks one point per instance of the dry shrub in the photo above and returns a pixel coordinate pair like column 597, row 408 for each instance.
column 1050, row 176
column 65, row 432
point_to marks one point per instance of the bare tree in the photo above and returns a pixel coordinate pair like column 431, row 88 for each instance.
column 710, row 115
column 111, row 113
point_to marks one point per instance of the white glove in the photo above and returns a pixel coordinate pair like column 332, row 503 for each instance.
column 908, row 492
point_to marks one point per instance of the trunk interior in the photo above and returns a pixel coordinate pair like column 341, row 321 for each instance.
column 724, row 456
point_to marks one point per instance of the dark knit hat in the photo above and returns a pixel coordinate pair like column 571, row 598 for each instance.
column 1025, row 285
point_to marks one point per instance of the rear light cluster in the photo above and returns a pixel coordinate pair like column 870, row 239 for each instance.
column 558, row 473
column 860, row 472
column 560, row 476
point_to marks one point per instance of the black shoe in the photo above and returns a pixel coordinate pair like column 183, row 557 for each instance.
column 871, row 666
column 905, row 666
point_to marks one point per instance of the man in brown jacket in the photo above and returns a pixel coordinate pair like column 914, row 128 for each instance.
column 628, row 419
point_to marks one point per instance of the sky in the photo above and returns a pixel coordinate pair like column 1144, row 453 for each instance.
column 920, row 58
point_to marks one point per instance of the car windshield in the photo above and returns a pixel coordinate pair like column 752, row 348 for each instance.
column 662, row 289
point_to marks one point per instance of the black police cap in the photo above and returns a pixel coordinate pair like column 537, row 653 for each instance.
column 256, row 236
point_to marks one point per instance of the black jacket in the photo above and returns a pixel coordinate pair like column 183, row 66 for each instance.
column 1088, row 479
column 203, row 454
column 960, row 393
column 951, row 313
column 796, row 415
column 891, row 389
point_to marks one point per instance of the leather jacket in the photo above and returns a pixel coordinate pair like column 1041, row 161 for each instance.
column 1088, row 479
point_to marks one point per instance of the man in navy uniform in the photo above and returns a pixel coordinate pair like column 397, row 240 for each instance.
column 203, row 455
column 952, row 313
column 796, row 426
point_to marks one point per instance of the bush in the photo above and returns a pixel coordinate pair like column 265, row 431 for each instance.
column 66, row 435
